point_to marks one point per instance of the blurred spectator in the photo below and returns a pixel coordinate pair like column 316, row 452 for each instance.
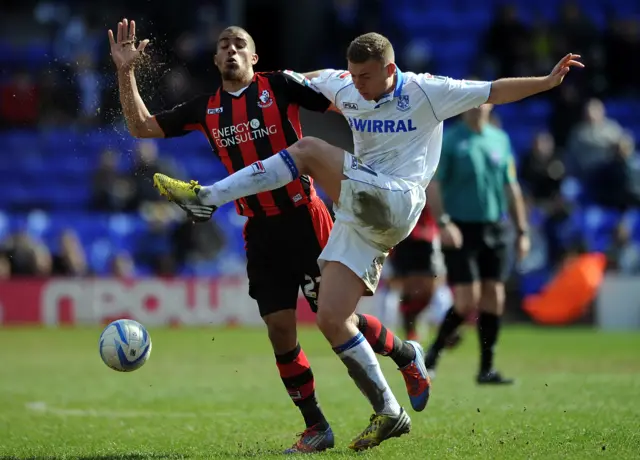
column 27, row 256
column 554, row 228
column 616, row 183
column 5, row 267
column 623, row 255
column 192, row 243
column 567, row 110
column 176, row 86
column 344, row 22
column 89, row 88
column 58, row 98
column 75, row 37
column 541, row 170
column 577, row 32
column 592, row 141
column 346, row 19
column 112, row 191
column 19, row 100
column 154, row 248
column 71, row 259
column 542, row 46
column 508, row 43
column 165, row 266
column 417, row 56
column 148, row 163
column 209, row 23
column 122, row 265
column 623, row 43
column 542, row 173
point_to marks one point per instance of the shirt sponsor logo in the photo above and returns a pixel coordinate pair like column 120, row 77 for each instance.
column 381, row 126
column 240, row 133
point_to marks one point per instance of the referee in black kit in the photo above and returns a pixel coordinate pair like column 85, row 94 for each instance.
column 474, row 188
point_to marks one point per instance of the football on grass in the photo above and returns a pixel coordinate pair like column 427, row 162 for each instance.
column 125, row 345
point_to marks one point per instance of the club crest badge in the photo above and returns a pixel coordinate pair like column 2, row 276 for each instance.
column 403, row 103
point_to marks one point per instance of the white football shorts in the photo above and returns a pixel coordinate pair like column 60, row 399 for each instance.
column 374, row 213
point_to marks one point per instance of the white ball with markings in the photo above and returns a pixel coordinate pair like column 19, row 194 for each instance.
column 125, row 345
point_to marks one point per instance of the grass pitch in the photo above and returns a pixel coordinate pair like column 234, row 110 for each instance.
column 208, row 393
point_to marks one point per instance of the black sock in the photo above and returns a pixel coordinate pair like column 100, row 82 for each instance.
column 384, row 342
column 451, row 322
column 297, row 378
column 488, row 327
column 312, row 414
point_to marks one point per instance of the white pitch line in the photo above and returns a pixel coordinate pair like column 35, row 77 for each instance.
column 43, row 408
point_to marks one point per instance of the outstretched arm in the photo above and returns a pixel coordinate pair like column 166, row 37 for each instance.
column 314, row 74
column 508, row 90
column 450, row 97
column 139, row 121
column 125, row 56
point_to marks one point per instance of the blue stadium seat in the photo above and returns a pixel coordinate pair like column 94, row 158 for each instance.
column 537, row 108
column 20, row 141
column 51, row 170
column 572, row 190
column 599, row 224
column 533, row 282
column 5, row 225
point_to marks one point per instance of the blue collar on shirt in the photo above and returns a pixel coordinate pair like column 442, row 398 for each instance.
column 399, row 83
column 397, row 91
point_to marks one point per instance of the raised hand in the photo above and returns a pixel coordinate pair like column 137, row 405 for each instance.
column 123, row 49
column 563, row 67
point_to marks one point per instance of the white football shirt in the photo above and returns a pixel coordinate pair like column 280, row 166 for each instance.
column 401, row 134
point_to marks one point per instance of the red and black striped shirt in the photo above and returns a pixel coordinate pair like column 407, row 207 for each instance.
column 250, row 126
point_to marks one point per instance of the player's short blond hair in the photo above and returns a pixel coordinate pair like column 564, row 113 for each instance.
column 370, row 46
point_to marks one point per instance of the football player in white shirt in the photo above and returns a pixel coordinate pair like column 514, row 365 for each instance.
column 378, row 192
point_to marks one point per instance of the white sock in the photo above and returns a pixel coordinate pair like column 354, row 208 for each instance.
column 364, row 369
column 261, row 176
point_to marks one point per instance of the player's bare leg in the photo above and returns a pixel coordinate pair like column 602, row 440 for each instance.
column 281, row 328
column 340, row 291
column 466, row 298
column 308, row 156
column 491, row 307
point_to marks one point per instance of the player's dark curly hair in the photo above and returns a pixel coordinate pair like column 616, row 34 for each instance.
column 370, row 46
